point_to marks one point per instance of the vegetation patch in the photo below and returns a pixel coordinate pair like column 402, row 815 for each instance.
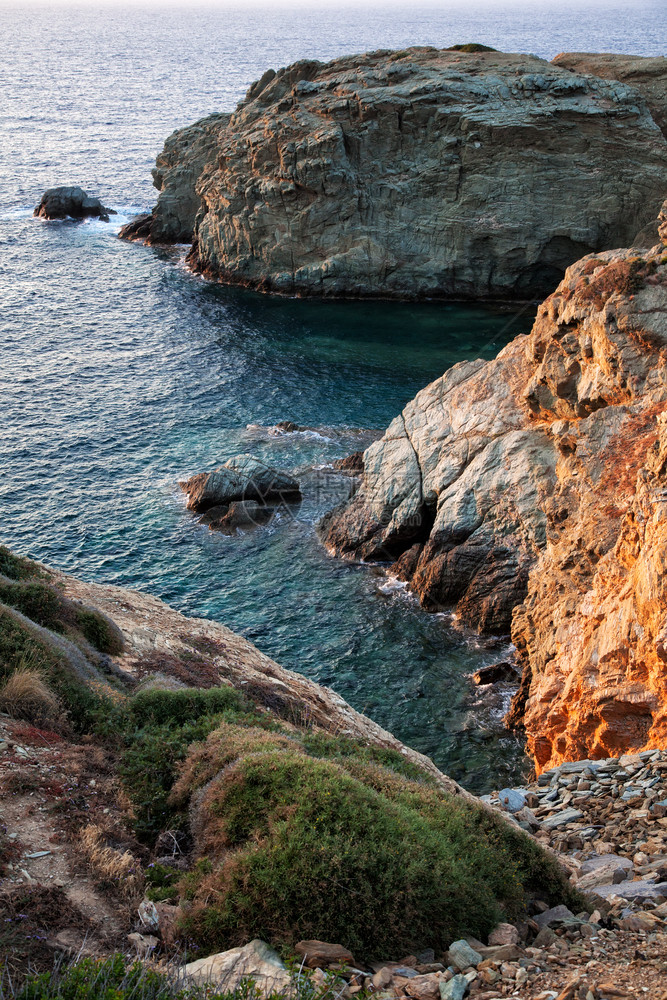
column 625, row 277
column 193, row 670
column 178, row 708
column 43, row 604
column 17, row 568
column 162, row 883
column 117, row 871
column 284, row 836
column 471, row 47
column 157, row 728
column 24, row 695
column 22, row 649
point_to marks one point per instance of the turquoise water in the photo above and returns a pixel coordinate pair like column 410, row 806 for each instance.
column 121, row 373
column 127, row 373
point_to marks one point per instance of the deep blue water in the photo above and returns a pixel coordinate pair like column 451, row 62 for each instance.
column 121, row 373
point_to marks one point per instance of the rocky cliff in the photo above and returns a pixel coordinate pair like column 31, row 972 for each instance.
column 413, row 173
column 177, row 170
column 529, row 492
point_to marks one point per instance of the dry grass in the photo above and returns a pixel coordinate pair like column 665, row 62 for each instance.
column 223, row 747
column 117, row 870
column 25, row 695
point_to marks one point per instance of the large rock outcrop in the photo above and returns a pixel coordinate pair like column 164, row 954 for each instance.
column 414, row 173
column 536, row 482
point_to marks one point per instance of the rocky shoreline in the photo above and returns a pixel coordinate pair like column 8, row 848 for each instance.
column 168, row 787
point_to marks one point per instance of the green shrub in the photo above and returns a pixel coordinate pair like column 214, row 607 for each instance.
column 148, row 768
column 43, row 604
column 17, row 568
column 161, row 883
column 37, row 601
column 472, row 47
column 158, row 707
column 291, row 837
column 99, row 631
column 157, row 730
column 344, row 749
column 22, row 649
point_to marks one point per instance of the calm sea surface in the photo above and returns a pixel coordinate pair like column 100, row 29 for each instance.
column 121, row 373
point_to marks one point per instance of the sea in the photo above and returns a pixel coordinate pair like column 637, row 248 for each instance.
column 122, row 373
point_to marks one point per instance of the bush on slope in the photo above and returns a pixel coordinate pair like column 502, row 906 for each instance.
column 293, row 846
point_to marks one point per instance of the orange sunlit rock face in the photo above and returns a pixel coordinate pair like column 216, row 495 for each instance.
column 592, row 631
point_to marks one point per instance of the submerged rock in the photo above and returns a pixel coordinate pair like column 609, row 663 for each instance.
column 242, row 478
column 241, row 515
column 415, row 173
column 72, row 203
column 529, row 492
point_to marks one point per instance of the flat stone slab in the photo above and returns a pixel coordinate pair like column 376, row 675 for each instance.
column 553, row 916
column 592, row 864
column 631, row 890
column 561, row 819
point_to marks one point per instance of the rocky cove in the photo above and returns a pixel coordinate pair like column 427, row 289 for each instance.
column 482, row 493
column 183, row 765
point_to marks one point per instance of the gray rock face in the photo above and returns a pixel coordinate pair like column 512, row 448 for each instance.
column 648, row 74
column 175, row 175
column 413, row 173
column 242, row 478
column 72, row 203
column 455, row 488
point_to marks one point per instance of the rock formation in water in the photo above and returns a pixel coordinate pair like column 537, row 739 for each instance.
column 412, row 173
column 530, row 491
column 71, row 203
column 647, row 74
column 241, row 478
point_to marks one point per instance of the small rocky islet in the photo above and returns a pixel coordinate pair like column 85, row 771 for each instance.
column 527, row 492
